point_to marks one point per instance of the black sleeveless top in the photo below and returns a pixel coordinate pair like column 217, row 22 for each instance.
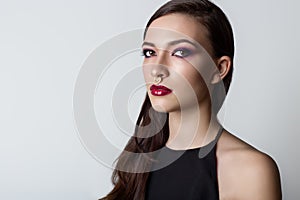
column 193, row 176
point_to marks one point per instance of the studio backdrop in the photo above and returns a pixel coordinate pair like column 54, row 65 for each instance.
column 44, row 47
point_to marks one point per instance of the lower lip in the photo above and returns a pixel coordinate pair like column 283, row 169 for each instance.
column 160, row 92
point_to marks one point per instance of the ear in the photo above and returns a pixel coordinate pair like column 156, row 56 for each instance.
column 223, row 64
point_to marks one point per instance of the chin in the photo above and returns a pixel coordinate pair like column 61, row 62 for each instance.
column 158, row 108
column 164, row 104
column 163, row 107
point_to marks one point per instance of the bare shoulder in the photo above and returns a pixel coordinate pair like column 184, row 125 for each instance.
column 245, row 172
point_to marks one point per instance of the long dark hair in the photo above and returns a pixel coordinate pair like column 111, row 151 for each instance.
column 132, row 186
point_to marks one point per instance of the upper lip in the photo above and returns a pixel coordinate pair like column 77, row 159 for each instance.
column 159, row 87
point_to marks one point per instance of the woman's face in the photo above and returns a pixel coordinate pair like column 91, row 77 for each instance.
column 176, row 47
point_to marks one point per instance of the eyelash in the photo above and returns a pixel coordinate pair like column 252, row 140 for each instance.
column 184, row 50
column 145, row 51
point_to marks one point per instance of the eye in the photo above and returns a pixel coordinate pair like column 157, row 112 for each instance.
column 148, row 53
column 181, row 53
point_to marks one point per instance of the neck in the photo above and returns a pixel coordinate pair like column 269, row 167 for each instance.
column 192, row 127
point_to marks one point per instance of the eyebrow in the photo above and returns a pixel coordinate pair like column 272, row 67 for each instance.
column 172, row 43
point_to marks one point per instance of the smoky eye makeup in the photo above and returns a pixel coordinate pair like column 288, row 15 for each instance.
column 147, row 53
column 176, row 48
column 182, row 52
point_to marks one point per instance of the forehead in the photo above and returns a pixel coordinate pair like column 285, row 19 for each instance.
column 177, row 26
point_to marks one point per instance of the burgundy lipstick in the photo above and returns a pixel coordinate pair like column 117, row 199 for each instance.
column 159, row 90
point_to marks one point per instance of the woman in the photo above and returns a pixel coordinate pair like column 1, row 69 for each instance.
column 189, row 49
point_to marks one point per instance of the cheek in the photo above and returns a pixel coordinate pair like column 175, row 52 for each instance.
column 203, row 67
column 196, row 80
column 190, row 74
column 194, row 83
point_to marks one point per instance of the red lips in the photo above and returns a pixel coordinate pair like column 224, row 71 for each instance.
column 159, row 90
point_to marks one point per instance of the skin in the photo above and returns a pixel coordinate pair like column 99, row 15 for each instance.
column 243, row 171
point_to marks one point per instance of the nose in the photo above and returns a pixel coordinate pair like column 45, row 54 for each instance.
column 159, row 70
column 159, row 67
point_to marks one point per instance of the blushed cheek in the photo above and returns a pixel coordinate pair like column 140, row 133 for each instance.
column 203, row 66
column 183, row 89
column 194, row 87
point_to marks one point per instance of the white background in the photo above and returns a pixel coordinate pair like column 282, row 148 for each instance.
column 43, row 45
